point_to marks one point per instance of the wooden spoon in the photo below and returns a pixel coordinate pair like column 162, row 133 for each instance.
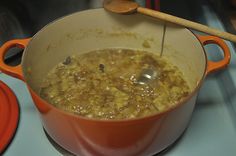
column 127, row 7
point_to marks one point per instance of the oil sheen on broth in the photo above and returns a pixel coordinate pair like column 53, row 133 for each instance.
column 102, row 84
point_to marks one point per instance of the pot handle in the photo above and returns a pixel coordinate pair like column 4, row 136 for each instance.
column 215, row 66
column 15, row 71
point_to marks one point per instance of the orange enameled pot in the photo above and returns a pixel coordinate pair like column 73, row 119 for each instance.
column 96, row 29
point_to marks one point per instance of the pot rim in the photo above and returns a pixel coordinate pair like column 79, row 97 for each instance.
column 138, row 119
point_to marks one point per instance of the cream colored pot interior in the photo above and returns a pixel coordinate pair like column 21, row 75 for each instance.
column 95, row 29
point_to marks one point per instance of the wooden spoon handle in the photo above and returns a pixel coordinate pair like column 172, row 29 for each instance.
column 187, row 23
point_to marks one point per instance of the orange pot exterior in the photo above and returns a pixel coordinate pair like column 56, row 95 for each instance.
column 133, row 137
column 118, row 138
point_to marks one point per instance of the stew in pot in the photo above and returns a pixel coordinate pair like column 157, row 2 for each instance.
column 103, row 84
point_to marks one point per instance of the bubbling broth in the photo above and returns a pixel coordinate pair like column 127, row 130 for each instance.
column 102, row 84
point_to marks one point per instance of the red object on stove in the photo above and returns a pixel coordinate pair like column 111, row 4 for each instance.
column 155, row 5
column 9, row 115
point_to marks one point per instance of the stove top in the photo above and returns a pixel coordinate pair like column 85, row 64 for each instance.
column 212, row 130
